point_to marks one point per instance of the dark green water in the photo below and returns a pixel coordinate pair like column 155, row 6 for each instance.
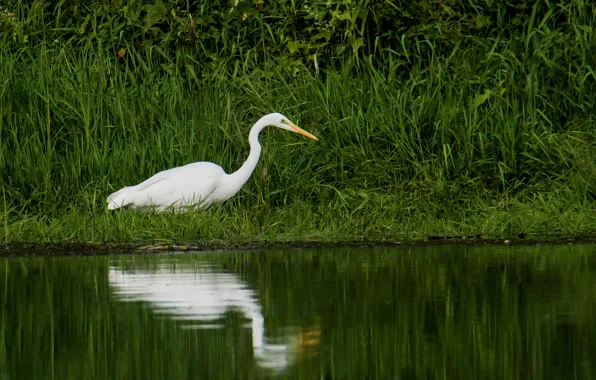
column 405, row 313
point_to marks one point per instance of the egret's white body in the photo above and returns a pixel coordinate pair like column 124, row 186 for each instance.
column 198, row 184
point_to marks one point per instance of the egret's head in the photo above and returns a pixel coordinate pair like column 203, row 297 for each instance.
column 283, row 122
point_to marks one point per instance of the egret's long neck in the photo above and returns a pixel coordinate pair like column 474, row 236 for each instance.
column 242, row 175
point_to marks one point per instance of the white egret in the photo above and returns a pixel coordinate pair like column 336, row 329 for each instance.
column 198, row 184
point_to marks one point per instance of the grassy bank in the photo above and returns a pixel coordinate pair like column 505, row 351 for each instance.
column 496, row 137
column 552, row 219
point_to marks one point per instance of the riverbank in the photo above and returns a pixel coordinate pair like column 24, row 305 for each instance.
column 233, row 227
column 486, row 134
column 110, row 248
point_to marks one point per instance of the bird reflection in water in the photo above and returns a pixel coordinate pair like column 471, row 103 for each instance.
column 203, row 297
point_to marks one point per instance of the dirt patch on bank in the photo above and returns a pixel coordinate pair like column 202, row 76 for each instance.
column 111, row 248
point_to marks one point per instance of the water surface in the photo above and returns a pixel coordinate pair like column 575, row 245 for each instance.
column 402, row 313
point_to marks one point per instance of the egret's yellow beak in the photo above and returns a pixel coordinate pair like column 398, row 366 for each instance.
column 297, row 129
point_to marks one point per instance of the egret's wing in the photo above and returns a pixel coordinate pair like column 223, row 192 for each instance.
column 156, row 178
column 182, row 186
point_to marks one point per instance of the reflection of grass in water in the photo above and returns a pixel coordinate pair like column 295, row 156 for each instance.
column 461, row 313
column 481, row 312
column 498, row 138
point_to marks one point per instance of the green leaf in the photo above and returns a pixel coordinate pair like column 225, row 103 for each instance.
column 480, row 99
column 155, row 13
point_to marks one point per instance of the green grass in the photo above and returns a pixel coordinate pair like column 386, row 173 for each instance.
column 300, row 221
column 496, row 138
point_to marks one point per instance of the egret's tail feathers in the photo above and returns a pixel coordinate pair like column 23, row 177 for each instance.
column 118, row 199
